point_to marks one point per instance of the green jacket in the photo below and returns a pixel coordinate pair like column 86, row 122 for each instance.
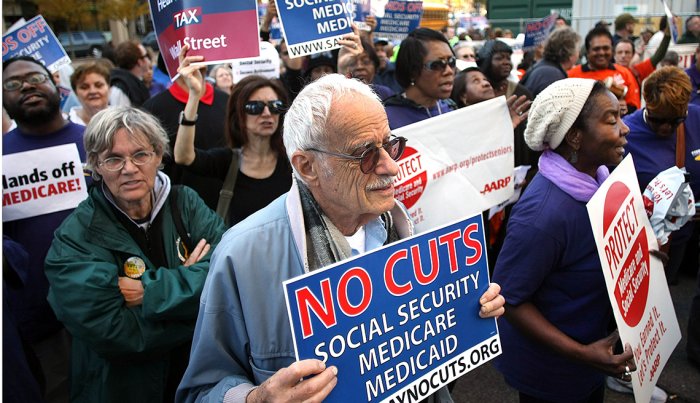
column 124, row 354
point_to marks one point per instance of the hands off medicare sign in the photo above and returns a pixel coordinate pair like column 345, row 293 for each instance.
column 636, row 282
column 35, row 39
column 399, row 322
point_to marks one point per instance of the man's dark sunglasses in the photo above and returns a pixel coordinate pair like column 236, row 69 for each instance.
column 664, row 121
column 370, row 157
column 257, row 107
column 440, row 64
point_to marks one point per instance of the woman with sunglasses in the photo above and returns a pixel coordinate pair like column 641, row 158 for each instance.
column 425, row 68
column 254, row 132
column 653, row 140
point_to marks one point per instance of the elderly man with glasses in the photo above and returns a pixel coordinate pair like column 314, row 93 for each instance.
column 341, row 204
column 31, row 98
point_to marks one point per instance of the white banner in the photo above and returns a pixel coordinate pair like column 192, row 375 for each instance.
column 266, row 65
column 457, row 164
column 636, row 283
column 42, row 181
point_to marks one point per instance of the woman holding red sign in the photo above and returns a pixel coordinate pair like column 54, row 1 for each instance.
column 255, row 169
column 556, row 345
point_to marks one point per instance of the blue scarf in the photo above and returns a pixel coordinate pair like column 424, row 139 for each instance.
column 573, row 182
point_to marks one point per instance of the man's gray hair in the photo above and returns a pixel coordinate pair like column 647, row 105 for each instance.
column 99, row 133
column 306, row 120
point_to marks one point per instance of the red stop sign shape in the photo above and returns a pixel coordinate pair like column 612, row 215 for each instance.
column 632, row 281
column 410, row 183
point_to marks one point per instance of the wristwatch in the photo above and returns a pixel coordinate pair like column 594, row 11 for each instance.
column 185, row 122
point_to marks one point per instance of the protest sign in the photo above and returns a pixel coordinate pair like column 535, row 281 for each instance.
column 456, row 164
column 636, row 283
column 314, row 26
column 266, row 65
column 35, row 39
column 42, row 181
column 536, row 32
column 399, row 322
column 218, row 30
column 672, row 27
column 363, row 9
column 685, row 53
column 400, row 18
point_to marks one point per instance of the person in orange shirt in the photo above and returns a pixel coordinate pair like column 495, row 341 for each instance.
column 599, row 66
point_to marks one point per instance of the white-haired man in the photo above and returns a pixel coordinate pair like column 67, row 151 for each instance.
column 342, row 203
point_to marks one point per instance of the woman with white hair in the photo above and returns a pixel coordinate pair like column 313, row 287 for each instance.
column 556, row 344
column 127, row 267
column 223, row 77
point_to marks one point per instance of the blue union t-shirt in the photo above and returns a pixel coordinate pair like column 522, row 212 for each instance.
column 550, row 259
column 653, row 154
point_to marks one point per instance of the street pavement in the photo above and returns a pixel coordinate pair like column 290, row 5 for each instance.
column 679, row 378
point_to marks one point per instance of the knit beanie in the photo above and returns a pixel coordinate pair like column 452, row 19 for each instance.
column 554, row 111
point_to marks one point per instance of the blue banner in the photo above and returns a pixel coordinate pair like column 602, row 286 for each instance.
column 400, row 18
column 363, row 9
column 399, row 322
column 35, row 39
column 536, row 32
column 218, row 30
column 314, row 26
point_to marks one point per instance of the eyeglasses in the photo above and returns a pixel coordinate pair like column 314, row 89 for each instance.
column 257, row 107
column 664, row 121
column 370, row 157
column 440, row 64
column 117, row 163
column 13, row 84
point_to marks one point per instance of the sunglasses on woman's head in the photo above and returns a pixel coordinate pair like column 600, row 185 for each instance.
column 257, row 107
column 440, row 64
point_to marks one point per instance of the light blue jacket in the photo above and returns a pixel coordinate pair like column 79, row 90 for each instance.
column 242, row 336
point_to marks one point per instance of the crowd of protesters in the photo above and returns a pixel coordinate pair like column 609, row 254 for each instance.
column 140, row 294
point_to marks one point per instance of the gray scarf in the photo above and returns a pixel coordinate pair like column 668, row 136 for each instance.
column 325, row 244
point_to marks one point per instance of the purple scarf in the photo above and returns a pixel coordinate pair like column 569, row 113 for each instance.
column 573, row 182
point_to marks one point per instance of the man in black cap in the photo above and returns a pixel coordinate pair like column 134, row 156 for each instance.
column 386, row 75
column 319, row 64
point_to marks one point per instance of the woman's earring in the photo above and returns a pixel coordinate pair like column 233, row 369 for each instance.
column 573, row 158
column 413, row 83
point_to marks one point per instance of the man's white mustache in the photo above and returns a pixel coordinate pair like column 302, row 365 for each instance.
column 382, row 183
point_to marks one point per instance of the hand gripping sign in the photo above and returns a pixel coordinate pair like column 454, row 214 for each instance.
column 457, row 164
column 636, row 282
column 218, row 30
column 399, row 322
column 35, row 39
